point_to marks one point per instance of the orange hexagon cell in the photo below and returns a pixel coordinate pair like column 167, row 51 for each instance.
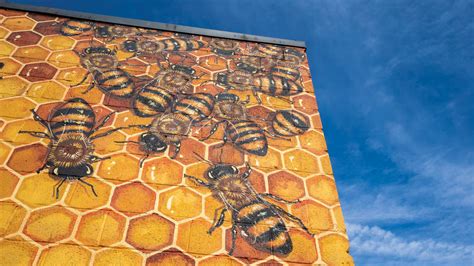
column 9, row 182
column 227, row 154
column 335, row 250
column 112, row 169
column 162, row 173
column 38, row 190
column 180, row 203
column 339, row 219
column 11, row 217
column 150, row 233
column 65, row 254
column 30, row 54
column 46, row 91
column 23, row 38
column 81, row 197
column 314, row 215
column 50, row 225
column 64, row 59
column 257, row 180
column 10, row 131
column 213, row 63
column 316, row 120
column 18, row 108
column 306, row 104
column 72, row 76
column 38, row 72
column 212, row 208
column 323, row 188
column 3, row 33
column 108, row 144
column 10, row 67
column 4, row 152
column 304, row 248
column 326, row 164
column 219, row 260
column 117, row 256
column 133, row 199
column 188, row 149
column 170, row 257
column 101, row 228
column 313, row 141
column 268, row 163
column 286, row 185
column 18, row 23
column 127, row 118
column 28, row 159
column 301, row 163
column 92, row 97
column 17, row 252
column 193, row 237
column 57, row 42
column 6, row 48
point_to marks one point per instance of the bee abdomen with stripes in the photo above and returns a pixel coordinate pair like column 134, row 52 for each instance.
column 152, row 100
column 248, row 136
column 198, row 106
column 74, row 116
column 115, row 82
column 289, row 123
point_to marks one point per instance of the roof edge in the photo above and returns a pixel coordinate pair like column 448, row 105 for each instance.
column 152, row 25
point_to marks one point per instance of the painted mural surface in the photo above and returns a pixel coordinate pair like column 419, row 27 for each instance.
column 128, row 146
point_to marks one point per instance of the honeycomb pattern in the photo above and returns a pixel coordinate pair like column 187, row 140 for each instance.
column 152, row 214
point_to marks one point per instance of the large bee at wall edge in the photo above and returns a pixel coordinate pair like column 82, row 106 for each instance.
column 288, row 67
column 288, row 123
column 148, row 47
column 257, row 221
column 70, row 128
column 74, row 27
column 102, row 63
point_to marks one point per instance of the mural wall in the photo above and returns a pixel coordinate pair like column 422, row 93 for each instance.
column 129, row 146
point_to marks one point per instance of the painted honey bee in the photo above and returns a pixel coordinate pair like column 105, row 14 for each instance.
column 152, row 100
column 257, row 221
column 148, row 47
column 288, row 123
column 74, row 27
column 250, row 64
column 71, row 127
column 240, row 129
column 102, row 63
column 224, row 47
column 111, row 32
column 267, row 50
column 289, row 67
column 197, row 106
column 275, row 86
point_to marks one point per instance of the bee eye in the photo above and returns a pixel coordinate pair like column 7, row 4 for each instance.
column 89, row 170
column 56, row 171
column 234, row 169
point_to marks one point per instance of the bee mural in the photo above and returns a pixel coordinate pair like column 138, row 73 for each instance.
column 149, row 47
column 74, row 27
column 289, row 123
column 176, row 78
column 71, row 128
column 102, row 63
column 257, row 221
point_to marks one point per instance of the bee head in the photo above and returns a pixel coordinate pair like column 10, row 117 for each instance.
column 217, row 171
column 222, row 78
column 152, row 143
column 225, row 96
column 183, row 69
column 72, row 172
column 130, row 46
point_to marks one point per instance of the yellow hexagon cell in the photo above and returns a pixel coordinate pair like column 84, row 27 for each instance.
column 211, row 206
column 162, row 173
column 326, row 164
column 268, row 163
column 314, row 215
column 150, row 233
column 117, row 256
column 127, row 118
column 4, row 152
column 314, row 142
column 31, row 54
column 3, row 32
column 274, row 102
column 17, row 252
column 132, row 199
column 323, row 188
column 17, row 108
column 46, row 91
column 81, row 197
column 301, row 163
column 9, row 182
column 65, row 254
column 71, row 76
column 170, row 257
column 57, row 42
column 10, row 67
column 197, row 170
column 335, row 250
column 339, row 219
column 108, row 144
column 50, row 225
column 219, row 260
column 18, row 23
column 11, row 217
column 101, row 228
column 12, row 86
column 113, row 169
column 180, row 203
column 193, row 237
column 6, row 49
column 38, row 190
column 10, row 132
column 64, row 59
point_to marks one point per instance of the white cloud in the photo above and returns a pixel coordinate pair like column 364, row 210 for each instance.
column 376, row 242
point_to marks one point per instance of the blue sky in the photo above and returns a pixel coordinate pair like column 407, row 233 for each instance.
column 395, row 86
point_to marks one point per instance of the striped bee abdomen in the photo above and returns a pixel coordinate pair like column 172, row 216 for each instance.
column 289, row 123
column 75, row 27
column 115, row 82
column 287, row 72
column 197, row 106
column 277, row 86
column 152, row 100
column 75, row 115
column 248, row 136
column 263, row 228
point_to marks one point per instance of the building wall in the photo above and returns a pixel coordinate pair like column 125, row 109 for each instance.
column 85, row 100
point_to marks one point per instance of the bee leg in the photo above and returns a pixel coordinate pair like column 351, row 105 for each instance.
column 247, row 172
column 255, row 94
column 58, row 185
column 198, row 181
column 213, row 130
column 88, row 184
column 291, row 217
column 219, row 222
column 102, row 123
column 234, row 237
column 177, row 148
column 113, row 130
column 283, row 99
column 98, row 159
column 42, row 167
column 36, row 134
column 268, row 195
column 80, row 82
column 224, row 141
column 36, row 117
column 142, row 160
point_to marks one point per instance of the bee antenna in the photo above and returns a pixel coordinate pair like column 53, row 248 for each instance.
column 202, row 158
